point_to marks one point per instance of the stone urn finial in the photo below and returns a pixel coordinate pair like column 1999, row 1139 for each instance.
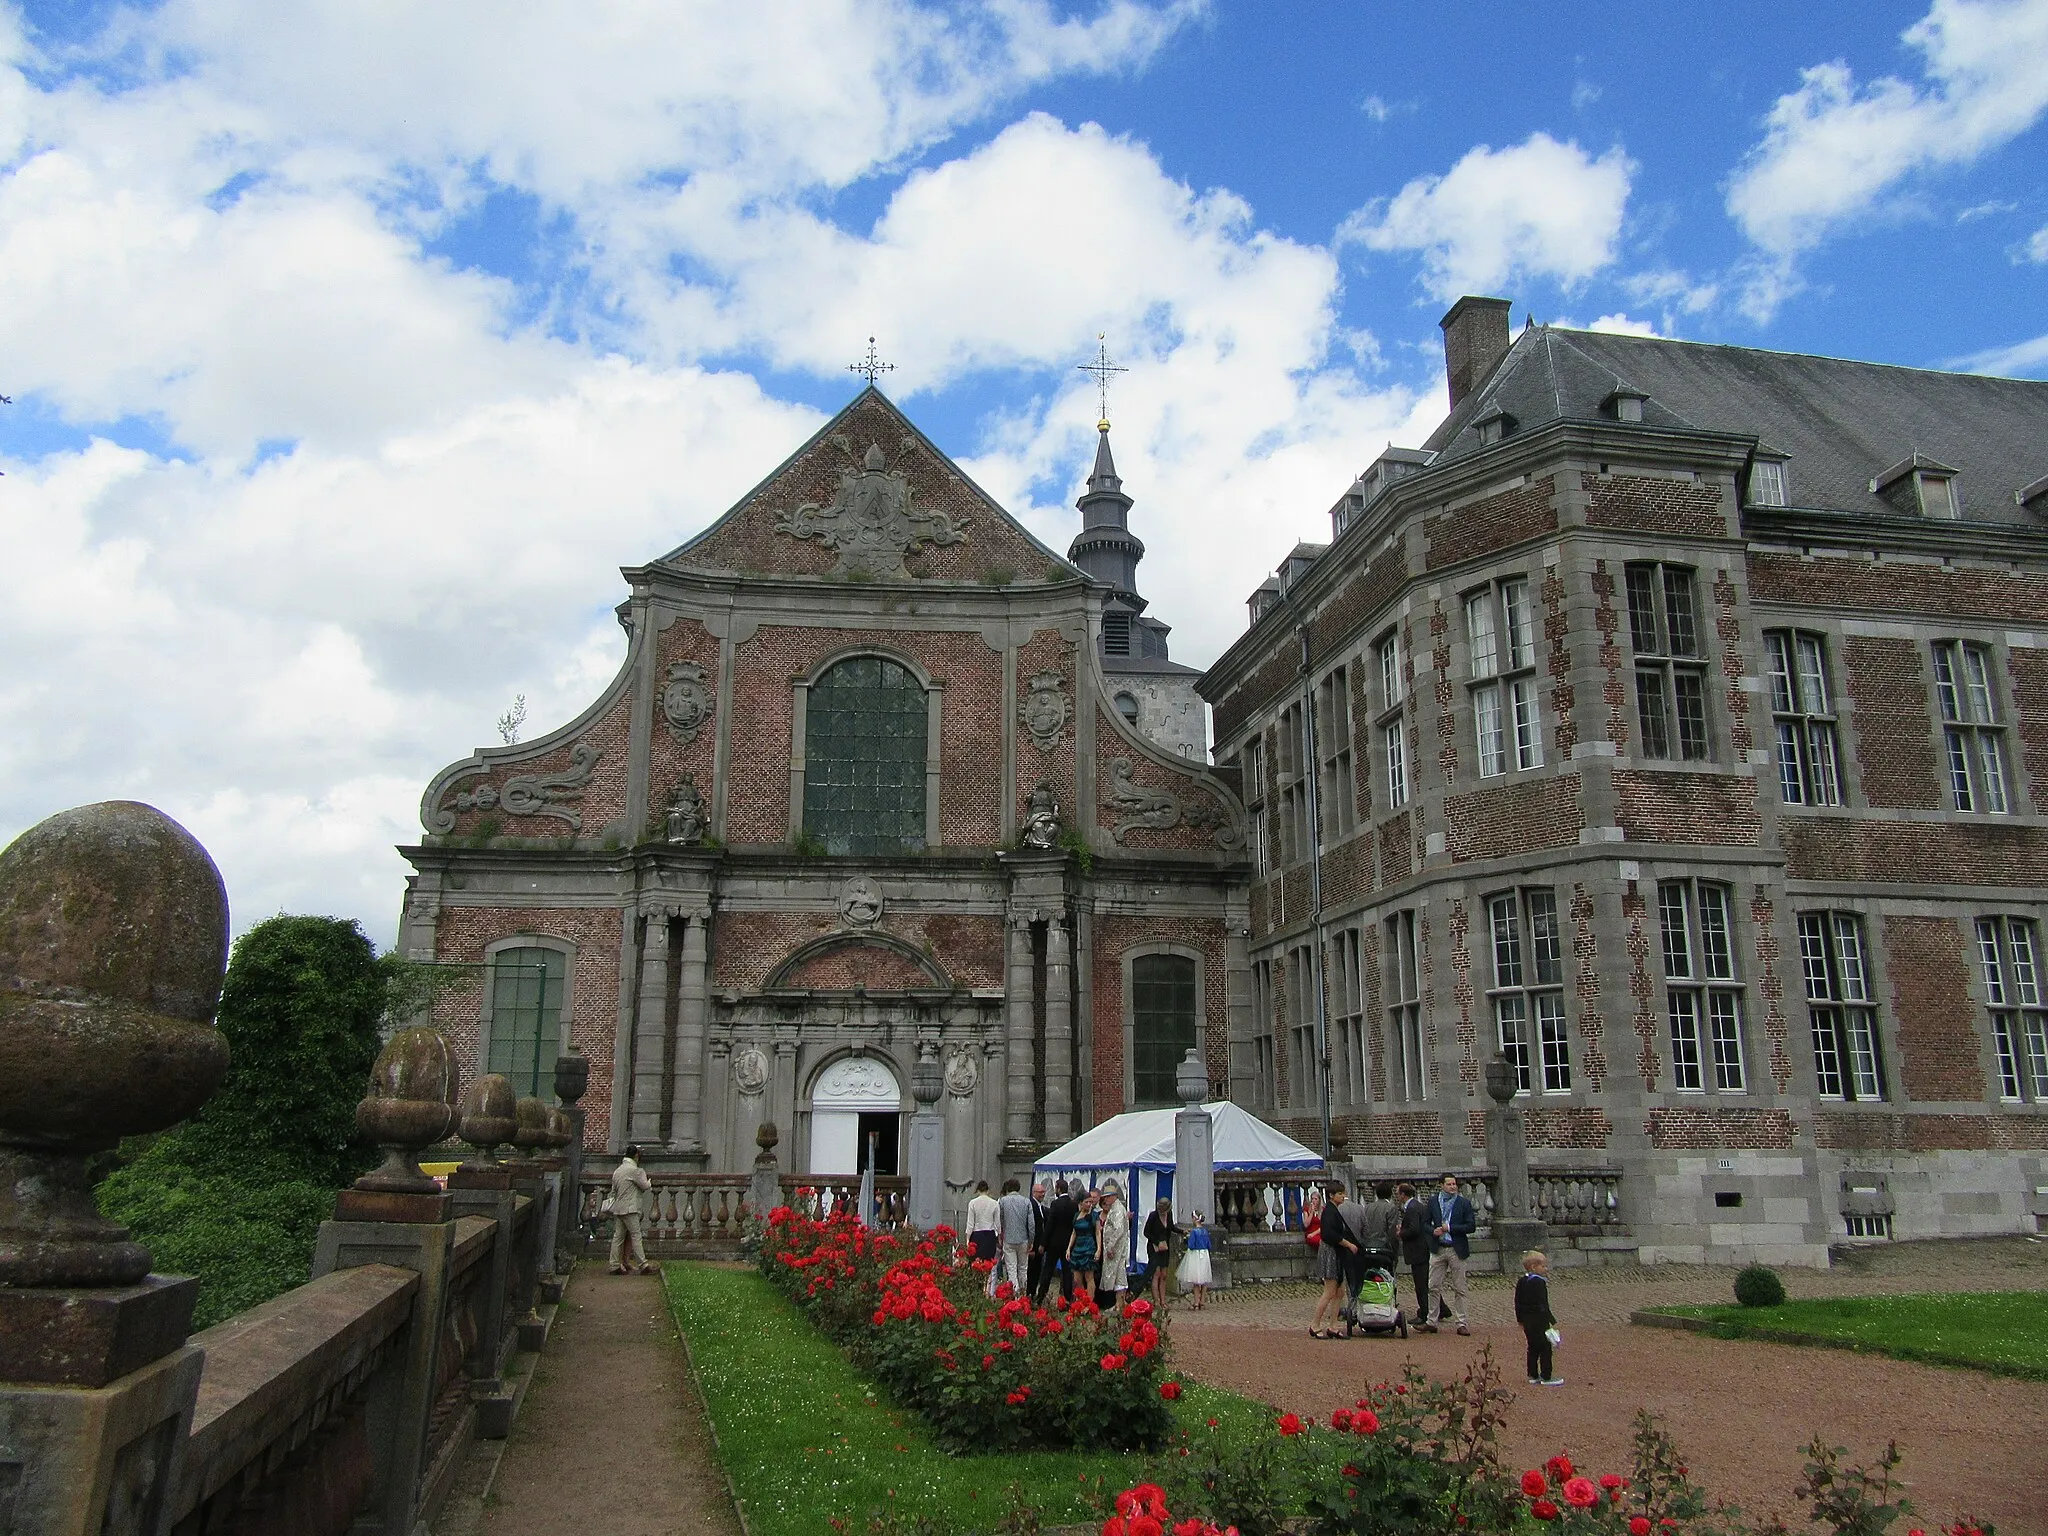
column 927, row 1077
column 572, row 1074
column 766, row 1136
column 412, row 1105
column 561, row 1129
column 1502, row 1082
column 531, row 1135
column 1191, row 1078
column 490, row 1114
column 113, row 941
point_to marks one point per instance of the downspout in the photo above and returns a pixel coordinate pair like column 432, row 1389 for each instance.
column 1315, row 882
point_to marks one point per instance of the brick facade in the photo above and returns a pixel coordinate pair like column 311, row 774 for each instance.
column 1929, row 970
column 1894, row 742
column 1664, row 806
column 1703, row 1128
column 598, row 802
column 1113, row 939
column 1656, row 504
column 1493, row 522
column 1521, row 817
column 1983, row 852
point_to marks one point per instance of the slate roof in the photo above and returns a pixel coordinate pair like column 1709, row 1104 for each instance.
column 1839, row 422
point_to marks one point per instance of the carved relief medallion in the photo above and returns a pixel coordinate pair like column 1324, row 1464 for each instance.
column 963, row 1073
column 860, row 903
column 1046, row 708
column 872, row 523
column 686, row 700
column 750, row 1069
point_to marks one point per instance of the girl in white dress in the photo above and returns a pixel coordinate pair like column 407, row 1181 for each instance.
column 1194, row 1264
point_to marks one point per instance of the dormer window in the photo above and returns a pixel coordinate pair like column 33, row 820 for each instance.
column 1770, row 483
column 1624, row 405
column 2034, row 497
column 1493, row 426
column 1920, row 486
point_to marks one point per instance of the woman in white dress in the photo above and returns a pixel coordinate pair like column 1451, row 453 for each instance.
column 1195, row 1273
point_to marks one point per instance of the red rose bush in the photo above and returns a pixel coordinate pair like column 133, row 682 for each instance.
column 986, row 1373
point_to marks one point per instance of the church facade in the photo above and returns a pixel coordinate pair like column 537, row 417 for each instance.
column 861, row 795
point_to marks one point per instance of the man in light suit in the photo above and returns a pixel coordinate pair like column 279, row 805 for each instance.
column 631, row 1194
column 1452, row 1223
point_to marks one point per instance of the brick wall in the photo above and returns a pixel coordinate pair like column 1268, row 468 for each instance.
column 1359, row 595
column 598, row 802
column 745, row 539
column 1930, row 977
column 1445, row 697
column 746, row 947
column 2029, row 669
column 1393, row 1133
column 1397, row 849
column 1771, row 989
column 1490, row 523
column 1698, row 808
column 1261, row 686
column 1608, row 622
column 1347, row 871
column 1654, row 504
column 1894, row 753
column 971, row 731
column 1517, row 817
column 463, row 934
column 1640, row 988
column 1462, row 994
column 1113, row 937
column 1592, row 1056
column 1579, row 1127
column 1702, row 1128
column 1046, row 651
column 1728, row 629
column 668, row 756
column 1981, row 851
column 1842, row 1131
column 1897, row 587
column 1557, row 664
column 858, row 963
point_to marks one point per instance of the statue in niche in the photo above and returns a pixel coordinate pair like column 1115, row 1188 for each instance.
column 685, row 814
column 1042, row 821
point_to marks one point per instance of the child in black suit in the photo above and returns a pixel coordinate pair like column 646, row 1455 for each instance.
column 1539, row 1325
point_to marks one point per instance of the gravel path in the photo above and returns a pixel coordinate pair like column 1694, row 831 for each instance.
column 1740, row 1410
column 612, row 1436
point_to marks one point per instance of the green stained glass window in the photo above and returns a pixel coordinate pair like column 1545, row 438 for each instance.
column 527, row 984
column 1163, row 1024
column 864, row 758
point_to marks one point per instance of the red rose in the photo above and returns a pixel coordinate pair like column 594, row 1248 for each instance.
column 1542, row 1509
column 1170, row 1390
column 1290, row 1424
column 1580, row 1493
column 1341, row 1419
column 1534, row 1484
column 1114, row 1526
column 1365, row 1422
column 1146, row 1525
column 1641, row 1527
column 1612, row 1480
column 1559, row 1468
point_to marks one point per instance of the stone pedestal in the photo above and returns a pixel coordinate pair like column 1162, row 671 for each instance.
column 1194, row 1149
column 927, row 1143
column 488, row 1192
column 1515, row 1229
column 764, row 1190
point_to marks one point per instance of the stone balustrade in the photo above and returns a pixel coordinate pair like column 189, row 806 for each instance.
column 1578, row 1202
column 706, row 1214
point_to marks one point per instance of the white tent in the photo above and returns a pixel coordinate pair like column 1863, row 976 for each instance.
column 1136, row 1150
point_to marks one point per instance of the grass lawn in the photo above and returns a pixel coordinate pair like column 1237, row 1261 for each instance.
column 805, row 1437
column 2005, row 1332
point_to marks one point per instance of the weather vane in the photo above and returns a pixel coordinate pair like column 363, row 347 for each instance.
column 871, row 367
column 1102, row 368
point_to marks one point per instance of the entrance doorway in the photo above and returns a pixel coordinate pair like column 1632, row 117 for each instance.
column 853, row 1097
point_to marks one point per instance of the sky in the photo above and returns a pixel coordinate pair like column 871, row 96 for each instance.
column 354, row 345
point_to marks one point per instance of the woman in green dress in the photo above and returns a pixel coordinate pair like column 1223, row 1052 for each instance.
column 1082, row 1261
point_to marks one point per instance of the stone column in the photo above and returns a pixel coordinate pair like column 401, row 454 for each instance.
column 1194, row 1146
column 764, row 1192
column 1059, row 1031
column 1017, row 1042
column 649, row 1086
column 927, row 1142
column 692, row 1023
column 572, row 1080
column 1507, row 1139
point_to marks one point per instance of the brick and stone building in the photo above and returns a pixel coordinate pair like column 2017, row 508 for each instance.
column 859, row 795
column 1675, row 722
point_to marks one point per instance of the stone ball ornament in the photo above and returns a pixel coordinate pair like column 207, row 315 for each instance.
column 113, row 943
column 414, row 1089
column 531, row 1134
column 489, row 1114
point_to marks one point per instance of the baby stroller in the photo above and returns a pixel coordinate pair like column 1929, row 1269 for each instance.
column 1372, row 1308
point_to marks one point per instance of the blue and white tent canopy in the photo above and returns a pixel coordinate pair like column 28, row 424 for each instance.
column 1136, row 1150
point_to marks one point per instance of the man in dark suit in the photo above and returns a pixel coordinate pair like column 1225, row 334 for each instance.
column 1452, row 1223
column 1034, row 1280
column 1059, row 1231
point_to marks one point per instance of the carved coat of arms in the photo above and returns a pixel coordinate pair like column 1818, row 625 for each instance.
column 1046, row 709
column 872, row 523
column 686, row 700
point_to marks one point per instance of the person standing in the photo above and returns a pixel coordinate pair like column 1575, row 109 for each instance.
column 984, row 1229
column 1377, row 1223
column 1415, row 1246
column 1452, row 1224
column 1334, row 1252
column 1539, row 1324
column 1195, row 1272
column 1035, row 1275
column 1114, row 1242
column 1059, row 1236
column 632, row 1192
column 1081, row 1250
column 1158, row 1250
column 1014, row 1216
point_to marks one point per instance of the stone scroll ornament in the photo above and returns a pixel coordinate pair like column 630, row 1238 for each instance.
column 872, row 522
column 686, row 700
column 530, row 794
column 1139, row 807
column 1046, row 709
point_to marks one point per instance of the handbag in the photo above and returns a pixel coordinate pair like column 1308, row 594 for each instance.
column 605, row 1207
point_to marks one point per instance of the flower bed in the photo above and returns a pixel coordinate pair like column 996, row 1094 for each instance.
column 986, row 1373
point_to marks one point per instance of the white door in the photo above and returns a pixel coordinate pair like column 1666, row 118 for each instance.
column 835, row 1141
column 843, row 1090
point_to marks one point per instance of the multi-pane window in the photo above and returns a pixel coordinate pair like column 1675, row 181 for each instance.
column 1262, row 1038
column 1162, row 1024
column 1393, row 670
column 1394, row 744
column 1393, row 732
column 1971, row 728
column 1803, row 709
column 1703, row 996
column 1528, row 988
column 1841, row 1006
column 1769, row 484
column 1255, row 803
column 1339, row 803
column 527, row 984
column 2012, row 987
column 1347, row 1013
column 864, row 757
column 1407, row 1072
column 1502, row 645
column 1296, row 825
column 1304, row 1066
column 1671, row 668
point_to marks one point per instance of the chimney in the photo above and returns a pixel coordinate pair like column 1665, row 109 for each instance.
column 1475, row 339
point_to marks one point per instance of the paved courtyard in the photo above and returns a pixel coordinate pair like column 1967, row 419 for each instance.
column 1740, row 1410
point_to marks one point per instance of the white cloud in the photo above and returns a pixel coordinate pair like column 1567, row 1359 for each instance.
column 1622, row 325
column 1677, row 290
column 2036, row 247
column 1535, row 209
column 1832, row 149
column 1985, row 210
column 2022, row 359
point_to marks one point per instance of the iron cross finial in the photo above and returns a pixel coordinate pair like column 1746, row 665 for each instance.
column 871, row 367
column 1103, row 369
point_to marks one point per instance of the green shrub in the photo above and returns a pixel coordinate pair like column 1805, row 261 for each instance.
column 1759, row 1286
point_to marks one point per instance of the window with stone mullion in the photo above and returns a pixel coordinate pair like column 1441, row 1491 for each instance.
column 1803, row 713
column 1671, row 672
column 1347, row 1013
column 1304, row 1065
column 1407, row 1071
column 1703, row 997
column 1163, row 1025
column 1972, row 732
column 1528, row 988
column 1500, row 642
column 864, row 758
column 2008, row 951
column 1339, row 799
column 527, row 985
column 1847, row 1057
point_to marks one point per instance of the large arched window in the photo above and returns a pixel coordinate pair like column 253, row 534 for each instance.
column 1163, row 1024
column 528, row 986
column 864, row 757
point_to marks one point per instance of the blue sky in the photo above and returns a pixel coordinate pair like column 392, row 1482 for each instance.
column 354, row 346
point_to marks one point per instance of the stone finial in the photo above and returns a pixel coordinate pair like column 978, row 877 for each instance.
column 1502, row 1082
column 1191, row 1078
column 927, row 1077
column 572, row 1074
column 530, row 1136
column 113, row 942
column 766, row 1136
column 490, row 1114
column 412, row 1105
column 561, row 1129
